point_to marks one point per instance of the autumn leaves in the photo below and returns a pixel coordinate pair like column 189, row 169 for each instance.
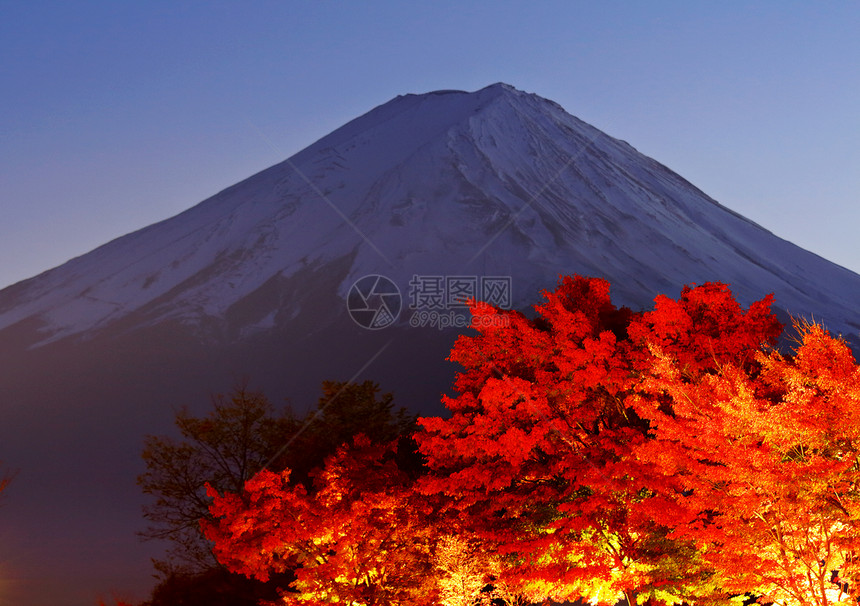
column 665, row 456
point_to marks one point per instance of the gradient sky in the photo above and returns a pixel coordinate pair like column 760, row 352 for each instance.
column 115, row 115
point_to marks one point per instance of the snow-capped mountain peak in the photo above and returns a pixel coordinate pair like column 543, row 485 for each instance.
column 496, row 181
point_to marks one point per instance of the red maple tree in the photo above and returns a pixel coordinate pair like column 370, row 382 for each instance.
column 665, row 456
column 769, row 464
column 541, row 453
column 359, row 537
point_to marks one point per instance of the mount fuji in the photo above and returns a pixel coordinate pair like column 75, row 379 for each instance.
column 447, row 183
column 257, row 282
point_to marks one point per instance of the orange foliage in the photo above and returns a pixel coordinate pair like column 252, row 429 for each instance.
column 541, row 453
column 769, row 465
column 360, row 537
column 665, row 456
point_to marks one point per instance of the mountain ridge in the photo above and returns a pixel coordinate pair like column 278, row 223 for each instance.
column 373, row 164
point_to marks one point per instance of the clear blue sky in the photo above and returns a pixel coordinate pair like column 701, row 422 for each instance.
column 114, row 115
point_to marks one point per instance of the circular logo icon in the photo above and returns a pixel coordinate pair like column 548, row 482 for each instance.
column 374, row 302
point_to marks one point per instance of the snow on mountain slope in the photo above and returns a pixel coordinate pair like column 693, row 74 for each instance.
column 496, row 182
column 251, row 283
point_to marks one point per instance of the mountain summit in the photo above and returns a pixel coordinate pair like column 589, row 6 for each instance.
column 445, row 183
column 381, row 215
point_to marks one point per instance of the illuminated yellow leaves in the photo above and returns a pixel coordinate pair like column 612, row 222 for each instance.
column 360, row 537
column 667, row 456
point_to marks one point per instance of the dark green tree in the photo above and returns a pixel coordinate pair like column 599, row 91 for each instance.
column 240, row 436
column 343, row 411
